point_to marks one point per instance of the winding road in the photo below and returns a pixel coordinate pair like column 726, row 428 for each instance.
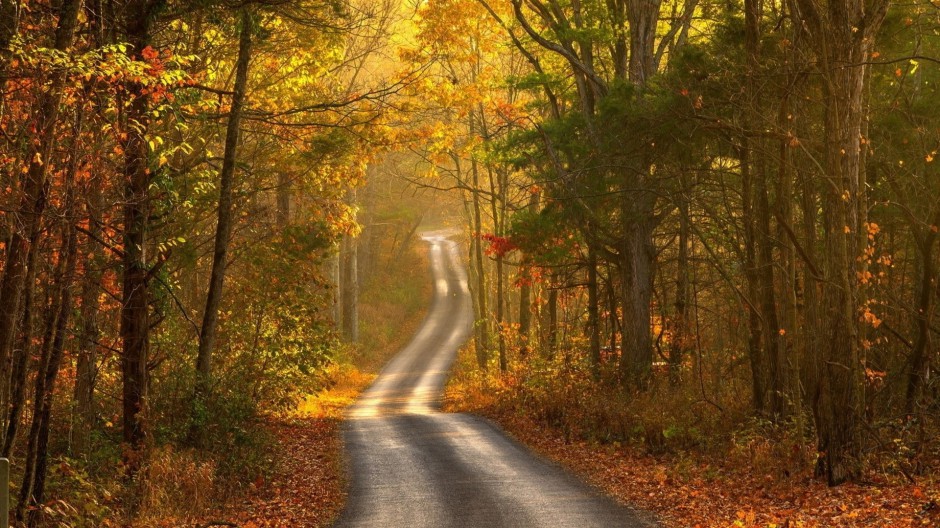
column 412, row 466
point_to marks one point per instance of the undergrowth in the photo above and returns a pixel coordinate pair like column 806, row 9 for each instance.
column 184, row 486
column 703, row 417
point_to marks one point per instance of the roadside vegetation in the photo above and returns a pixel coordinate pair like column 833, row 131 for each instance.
column 305, row 484
column 671, row 453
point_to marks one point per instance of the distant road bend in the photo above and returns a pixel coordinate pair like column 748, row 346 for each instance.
column 412, row 466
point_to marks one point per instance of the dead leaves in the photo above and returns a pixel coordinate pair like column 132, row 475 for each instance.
column 307, row 487
column 690, row 492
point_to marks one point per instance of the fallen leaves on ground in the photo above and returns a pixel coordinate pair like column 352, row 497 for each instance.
column 706, row 494
column 307, row 487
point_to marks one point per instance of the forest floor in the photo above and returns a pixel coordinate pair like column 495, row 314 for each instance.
column 703, row 491
column 307, row 486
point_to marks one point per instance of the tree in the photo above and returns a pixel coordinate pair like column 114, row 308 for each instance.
column 223, row 232
column 843, row 32
column 33, row 201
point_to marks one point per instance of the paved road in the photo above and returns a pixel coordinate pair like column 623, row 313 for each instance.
column 413, row 467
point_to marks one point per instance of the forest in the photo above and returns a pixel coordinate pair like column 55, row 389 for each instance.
column 696, row 231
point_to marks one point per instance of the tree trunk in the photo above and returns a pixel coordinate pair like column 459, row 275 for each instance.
column 525, row 316
column 86, row 360
column 21, row 355
column 791, row 359
column 9, row 26
column 500, row 305
column 643, row 17
column 283, row 197
column 482, row 323
column 350, row 277
column 525, row 293
column 136, row 272
column 844, row 36
column 756, row 337
column 223, row 230
column 86, row 355
column 612, row 320
column 681, row 334
column 769, row 353
column 636, row 269
column 59, row 310
column 926, row 283
column 32, row 202
column 637, row 266
column 45, row 391
column 496, row 197
column 336, row 278
column 774, row 345
column 552, row 338
column 593, row 308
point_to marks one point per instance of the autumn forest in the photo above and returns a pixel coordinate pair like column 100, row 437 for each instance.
column 701, row 241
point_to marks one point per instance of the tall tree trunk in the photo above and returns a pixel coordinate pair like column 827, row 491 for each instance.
column 500, row 316
column 525, row 315
column 525, row 292
column 349, row 269
column 9, row 26
column 756, row 337
column 637, row 268
column 223, row 230
column 21, row 355
column 482, row 323
column 86, row 360
column 638, row 264
column 769, row 376
column 336, row 279
column 136, row 271
column 496, row 198
column 34, row 190
column 643, row 18
column 774, row 343
column 59, row 310
column 552, row 338
column 924, row 307
column 593, row 308
column 86, row 354
column 681, row 334
column 791, row 360
column 350, row 280
column 45, row 391
column 284, row 184
column 843, row 32
column 613, row 320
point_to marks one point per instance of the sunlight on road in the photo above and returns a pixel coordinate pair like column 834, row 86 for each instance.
column 412, row 382
column 414, row 466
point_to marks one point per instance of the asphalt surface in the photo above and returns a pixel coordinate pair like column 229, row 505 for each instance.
column 412, row 466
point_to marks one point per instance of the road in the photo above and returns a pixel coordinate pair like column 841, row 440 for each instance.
column 412, row 466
